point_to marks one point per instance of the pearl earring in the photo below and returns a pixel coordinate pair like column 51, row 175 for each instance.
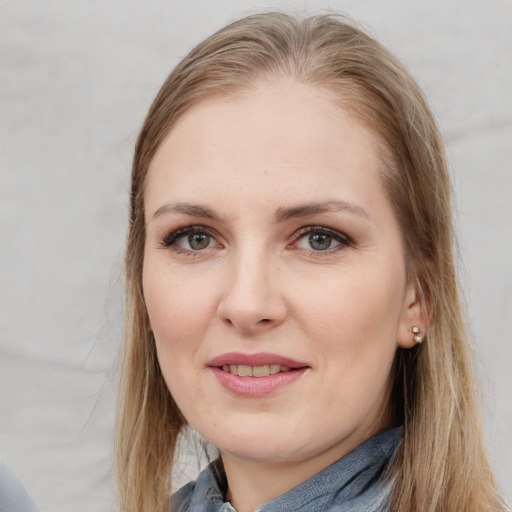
column 417, row 336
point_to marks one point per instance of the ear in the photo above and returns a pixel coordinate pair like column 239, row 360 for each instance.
column 414, row 314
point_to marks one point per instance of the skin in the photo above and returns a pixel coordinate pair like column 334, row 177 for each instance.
column 260, row 286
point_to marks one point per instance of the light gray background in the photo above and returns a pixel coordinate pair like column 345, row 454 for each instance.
column 76, row 78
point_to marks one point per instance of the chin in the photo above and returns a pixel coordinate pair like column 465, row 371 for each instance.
column 256, row 446
column 259, row 452
column 263, row 447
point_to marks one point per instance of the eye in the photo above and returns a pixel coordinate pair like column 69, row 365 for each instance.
column 318, row 238
column 195, row 241
column 320, row 241
column 192, row 238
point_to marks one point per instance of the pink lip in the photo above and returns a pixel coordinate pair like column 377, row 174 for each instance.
column 255, row 386
column 259, row 359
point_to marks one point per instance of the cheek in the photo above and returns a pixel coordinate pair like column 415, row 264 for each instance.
column 179, row 309
column 355, row 311
column 353, row 322
column 354, row 299
column 178, row 316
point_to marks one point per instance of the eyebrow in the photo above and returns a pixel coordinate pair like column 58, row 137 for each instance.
column 282, row 214
column 194, row 210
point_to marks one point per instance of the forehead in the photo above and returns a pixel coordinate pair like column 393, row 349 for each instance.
column 280, row 133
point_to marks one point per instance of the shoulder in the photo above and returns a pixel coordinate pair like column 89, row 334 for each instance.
column 13, row 497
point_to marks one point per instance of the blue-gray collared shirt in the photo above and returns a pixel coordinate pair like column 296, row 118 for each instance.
column 352, row 484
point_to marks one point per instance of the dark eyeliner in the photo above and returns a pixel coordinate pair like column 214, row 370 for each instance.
column 336, row 235
column 170, row 239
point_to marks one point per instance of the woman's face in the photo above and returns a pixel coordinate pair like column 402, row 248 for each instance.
column 274, row 275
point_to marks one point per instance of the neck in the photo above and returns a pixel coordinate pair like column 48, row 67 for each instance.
column 251, row 483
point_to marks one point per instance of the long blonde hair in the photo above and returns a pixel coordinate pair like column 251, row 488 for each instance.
column 441, row 464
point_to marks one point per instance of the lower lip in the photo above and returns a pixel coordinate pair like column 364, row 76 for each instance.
column 256, row 386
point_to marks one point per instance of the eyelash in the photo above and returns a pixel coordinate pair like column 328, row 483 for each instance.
column 343, row 239
column 170, row 240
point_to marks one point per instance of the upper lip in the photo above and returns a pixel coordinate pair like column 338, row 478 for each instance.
column 260, row 359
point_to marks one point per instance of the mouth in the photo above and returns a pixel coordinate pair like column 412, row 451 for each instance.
column 256, row 374
column 243, row 370
column 261, row 364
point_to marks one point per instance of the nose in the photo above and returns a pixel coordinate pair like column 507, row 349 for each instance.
column 252, row 301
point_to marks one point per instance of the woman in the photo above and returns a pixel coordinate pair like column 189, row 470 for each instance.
column 291, row 288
